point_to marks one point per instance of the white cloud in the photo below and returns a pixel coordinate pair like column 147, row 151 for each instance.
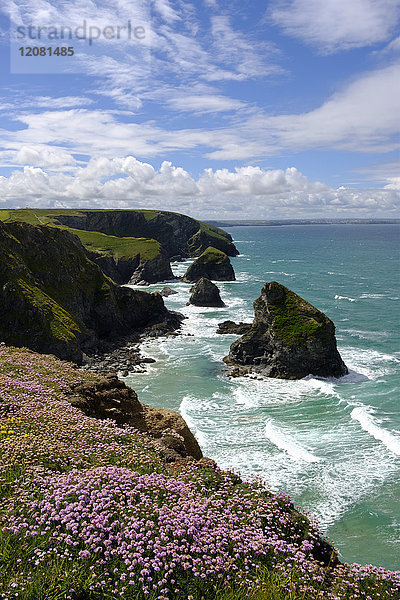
column 364, row 117
column 333, row 25
column 394, row 184
column 247, row 192
column 204, row 103
column 43, row 156
column 49, row 102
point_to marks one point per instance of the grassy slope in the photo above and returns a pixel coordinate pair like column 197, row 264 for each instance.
column 147, row 249
column 90, row 511
column 120, row 247
column 212, row 255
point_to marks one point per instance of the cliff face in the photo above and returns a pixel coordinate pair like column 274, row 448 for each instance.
column 289, row 339
column 136, row 269
column 177, row 234
column 54, row 299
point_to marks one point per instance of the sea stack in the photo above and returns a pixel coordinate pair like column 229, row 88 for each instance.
column 289, row 339
column 212, row 264
column 205, row 293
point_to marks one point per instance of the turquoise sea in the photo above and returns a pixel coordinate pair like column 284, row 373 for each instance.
column 332, row 445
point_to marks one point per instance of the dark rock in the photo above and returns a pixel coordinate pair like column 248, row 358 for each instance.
column 152, row 271
column 110, row 398
column 289, row 339
column 205, row 293
column 167, row 291
column 212, row 264
column 231, row 327
column 177, row 258
column 179, row 235
column 53, row 299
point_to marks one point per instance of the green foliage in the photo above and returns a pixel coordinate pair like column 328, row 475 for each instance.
column 213, row 232
column 212, row 255
column 59, row 321
column 120, row 247
column 295, row 320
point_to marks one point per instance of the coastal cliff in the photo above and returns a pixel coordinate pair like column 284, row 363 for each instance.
column 54, row 299
column 131, row 246
column 289, row 339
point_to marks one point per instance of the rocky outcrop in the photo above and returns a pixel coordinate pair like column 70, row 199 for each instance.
column 211, row 264
column 177, row 234
column 205, row 293
column 228, row 327
column 110, row 398
column 134, row 270
column 152, row 271
column 54, row 299
column 167, row 291
column 289, row 339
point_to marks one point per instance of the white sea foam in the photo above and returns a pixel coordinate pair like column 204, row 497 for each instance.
column 372, row 296
column 370, row 424
column 325, row 386
column 282, row 440
column 185, row 410
column 337, row 297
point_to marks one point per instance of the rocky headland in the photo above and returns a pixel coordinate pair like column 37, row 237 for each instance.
column 289, row 339
column 132, row 246
column 213, row 264
column 109, row 398
column 54, row 299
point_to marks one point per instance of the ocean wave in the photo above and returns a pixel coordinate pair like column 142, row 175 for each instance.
column 323, row 385
column 372, row 296
column 185, row 411
column 337, row 297
column 371, row 425
column 282, row 440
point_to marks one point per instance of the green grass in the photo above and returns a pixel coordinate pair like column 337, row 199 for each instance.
column 120, row 247
column 59, row 321
column 213, row 231
column 295, row 320
column 212, row 255
column 45, row 438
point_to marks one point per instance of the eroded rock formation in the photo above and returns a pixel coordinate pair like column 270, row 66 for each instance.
column 289, row 339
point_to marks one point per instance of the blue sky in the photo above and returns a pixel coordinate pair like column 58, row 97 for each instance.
column 239, row 109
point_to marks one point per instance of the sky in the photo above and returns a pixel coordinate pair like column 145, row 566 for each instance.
column 218, row 109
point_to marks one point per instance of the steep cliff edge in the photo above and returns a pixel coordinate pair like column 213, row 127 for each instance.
column 289, row 339
column 109, row 398
column 178, row 234
column 54, row 299
column 131, row 246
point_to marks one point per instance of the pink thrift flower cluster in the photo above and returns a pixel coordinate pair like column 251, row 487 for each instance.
column 89, row 510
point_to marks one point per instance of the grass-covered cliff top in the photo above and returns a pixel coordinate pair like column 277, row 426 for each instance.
column 90, row 510
column 119, row 247
column 212, row 255
column 108, row 245
column 135, row 243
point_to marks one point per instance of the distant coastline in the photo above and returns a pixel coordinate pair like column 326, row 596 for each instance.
column 279, row 222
